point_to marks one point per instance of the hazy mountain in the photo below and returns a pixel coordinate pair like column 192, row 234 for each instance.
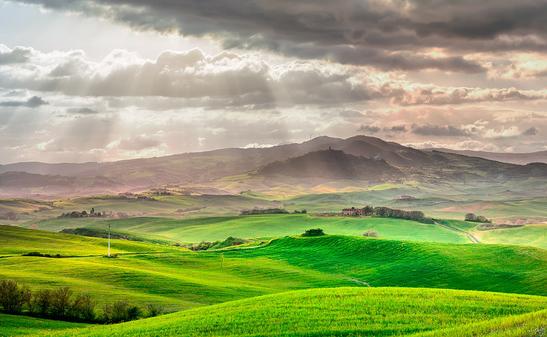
column 513, row 158
column 359, row 157
column 332, row 164
column 23, row 184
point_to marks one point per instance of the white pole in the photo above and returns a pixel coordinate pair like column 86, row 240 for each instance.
column 108, row 240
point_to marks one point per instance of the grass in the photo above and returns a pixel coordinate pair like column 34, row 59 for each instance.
column 29, row 326
column 531, row 235
column 410, row 264
column 178, row 279
column 262, row 226
column 17, row 241
column 524, row 325
column 330, row 312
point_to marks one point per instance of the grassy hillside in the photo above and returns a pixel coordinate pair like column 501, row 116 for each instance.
column 28, row 326
column 530, row 235
column 262, row 226
column 525, row 325
column 16, row 241
column 179, row 279
column 394, row 263
column 330, row 312
column 146, row 273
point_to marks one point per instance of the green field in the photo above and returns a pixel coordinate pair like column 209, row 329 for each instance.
column 261, row 226
column 277, row 285
column 530, row 235
column 180, row 279
column 11, row 325
column 330, row 312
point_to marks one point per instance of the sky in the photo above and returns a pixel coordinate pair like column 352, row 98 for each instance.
column 97, row 80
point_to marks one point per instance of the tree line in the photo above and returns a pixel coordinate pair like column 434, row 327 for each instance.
column 386, row 212
column 63, row 304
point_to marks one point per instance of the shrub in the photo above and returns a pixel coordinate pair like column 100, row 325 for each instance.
column 313, row 232
column 153, row 310
column 371, row 234
column 60, row 302
column 120, row 311
column 82, row 308
column 41, row 302
column 13, row 297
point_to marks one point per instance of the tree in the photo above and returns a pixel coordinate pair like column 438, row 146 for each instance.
column 314, row 232
column 60, row 302
column 13, row 297
column 82, row 308
column 41, row 302
column 120, row 311
column 153, row 310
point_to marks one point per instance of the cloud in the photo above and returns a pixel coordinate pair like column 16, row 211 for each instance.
column 369, row 129
column 223, row 80
column 82, row 111
column 232, row 80
column 138, row 143
column 415, row 94
column 396, row 128
column 32, row 102
column 439, row 130
column 387, row 34
column 16, row 55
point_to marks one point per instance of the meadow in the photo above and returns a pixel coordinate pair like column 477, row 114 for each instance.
column 178, row 279
column 330, row 312
column 413, row 279
column 11, row 325
column 260, row 226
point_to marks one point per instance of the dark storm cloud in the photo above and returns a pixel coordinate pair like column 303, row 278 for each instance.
column 385, row 34
column 32, row 102
column 16, row 55
column 438, row 130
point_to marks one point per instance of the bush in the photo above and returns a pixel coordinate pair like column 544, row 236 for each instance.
column 13, row 297
column 41, row 302
column 82, row 308
column 60, row 302
column 313, row 232
column 153, row 310
column 120, row 311
column 371, row 234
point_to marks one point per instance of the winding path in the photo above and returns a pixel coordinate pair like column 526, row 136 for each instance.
column 470, row 236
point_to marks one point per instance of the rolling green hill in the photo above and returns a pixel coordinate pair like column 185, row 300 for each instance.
column 530, row 235
column 376, row 262
column 262, row 226
column 330, row 312
column 178, row 279
column 11, row 325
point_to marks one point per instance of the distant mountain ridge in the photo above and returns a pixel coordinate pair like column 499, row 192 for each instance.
column 331, row 164
column 512, row 158
column 323, row 158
